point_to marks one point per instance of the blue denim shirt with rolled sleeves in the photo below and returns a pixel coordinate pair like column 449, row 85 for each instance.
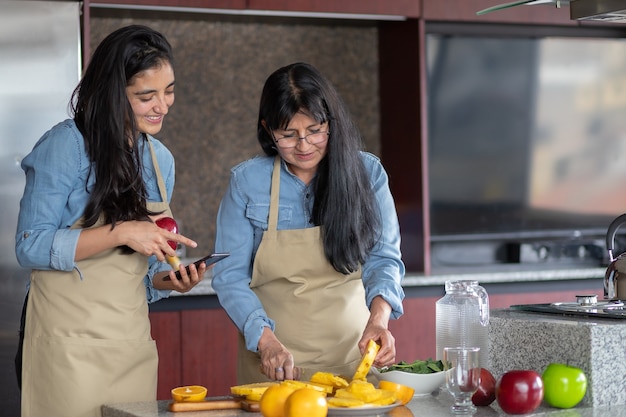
column 242, row 219
column 56, row 194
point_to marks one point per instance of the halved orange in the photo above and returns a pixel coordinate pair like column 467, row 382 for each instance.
column 404, row 393
column 189, row 393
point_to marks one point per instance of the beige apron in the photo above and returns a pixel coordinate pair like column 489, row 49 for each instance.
column 88, row 343
column 320, row 314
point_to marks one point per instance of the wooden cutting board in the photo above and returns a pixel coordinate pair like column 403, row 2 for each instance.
column 217, row 403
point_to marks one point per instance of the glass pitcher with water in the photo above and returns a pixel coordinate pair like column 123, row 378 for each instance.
column 462, row 319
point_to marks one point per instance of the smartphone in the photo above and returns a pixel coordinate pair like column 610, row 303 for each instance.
column 208, row 260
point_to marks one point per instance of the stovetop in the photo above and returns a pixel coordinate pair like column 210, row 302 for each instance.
column 585, row 305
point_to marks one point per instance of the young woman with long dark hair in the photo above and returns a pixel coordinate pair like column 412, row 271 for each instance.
column 95, row 184
column 315, row 265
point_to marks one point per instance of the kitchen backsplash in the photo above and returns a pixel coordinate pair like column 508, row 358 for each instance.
column 221, row 63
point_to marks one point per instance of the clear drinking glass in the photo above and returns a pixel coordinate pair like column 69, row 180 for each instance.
column 462, row 369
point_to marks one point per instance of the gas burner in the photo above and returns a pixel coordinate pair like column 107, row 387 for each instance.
column 578, row 306
column 587, row 300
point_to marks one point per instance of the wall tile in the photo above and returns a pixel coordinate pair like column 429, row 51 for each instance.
column 221, row 65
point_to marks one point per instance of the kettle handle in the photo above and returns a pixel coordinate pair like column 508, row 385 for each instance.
column 611, row 232
column 483, row 304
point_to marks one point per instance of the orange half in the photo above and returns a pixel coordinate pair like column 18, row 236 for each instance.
column 189, row 393
column 403, row 393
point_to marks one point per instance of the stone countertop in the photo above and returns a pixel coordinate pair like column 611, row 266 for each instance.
column 522, row 340
column 439, row 279
column 430, row 406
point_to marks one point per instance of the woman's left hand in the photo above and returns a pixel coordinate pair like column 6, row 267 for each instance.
column 376, row 329
column 387, row 354
column 187, row 281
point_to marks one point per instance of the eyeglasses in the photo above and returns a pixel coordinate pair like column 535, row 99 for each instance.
column 291, row 140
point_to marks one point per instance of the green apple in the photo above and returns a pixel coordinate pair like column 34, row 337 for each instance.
column 564, row 385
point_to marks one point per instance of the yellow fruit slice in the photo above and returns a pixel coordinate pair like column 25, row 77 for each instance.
column 344, row 402
column 252, row 392
column 386, row 398
column 326, row 389
column 364, row 391
column 189, row 393
column 327, row 378
column 344, row 393
column 366, row 360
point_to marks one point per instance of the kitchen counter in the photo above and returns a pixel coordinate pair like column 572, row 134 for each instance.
column 439, row 279
column 431, row 406
column 522, row 340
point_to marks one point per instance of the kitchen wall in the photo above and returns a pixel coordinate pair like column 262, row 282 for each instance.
column 221, row 65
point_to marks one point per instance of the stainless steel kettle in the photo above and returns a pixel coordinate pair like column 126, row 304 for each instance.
column 615, row 276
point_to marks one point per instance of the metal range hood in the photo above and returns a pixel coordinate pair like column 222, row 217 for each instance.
column 598, row 10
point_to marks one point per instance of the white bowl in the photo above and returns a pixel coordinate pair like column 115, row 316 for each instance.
column 423, row 384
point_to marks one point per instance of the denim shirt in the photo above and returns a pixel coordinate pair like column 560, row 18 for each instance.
column 242, row 219
column 56, row 194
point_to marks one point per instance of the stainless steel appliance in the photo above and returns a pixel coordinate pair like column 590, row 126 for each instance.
column 39, row 68
column 585, row 305
column 612, row 306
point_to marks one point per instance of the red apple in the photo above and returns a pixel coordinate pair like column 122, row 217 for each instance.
column 486, row 393
column 170, row 225
column 519, row 391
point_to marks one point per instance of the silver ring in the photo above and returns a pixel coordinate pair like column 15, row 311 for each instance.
column 279, row 369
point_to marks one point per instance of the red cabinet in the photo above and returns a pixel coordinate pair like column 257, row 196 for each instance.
column 207, row 4
column 410, row 8
column 199, row 346
column 196, row 347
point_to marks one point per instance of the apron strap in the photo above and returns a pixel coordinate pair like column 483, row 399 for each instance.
column 161, row 183
column 274, row 196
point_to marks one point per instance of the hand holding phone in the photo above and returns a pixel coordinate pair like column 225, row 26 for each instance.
column 208, row 260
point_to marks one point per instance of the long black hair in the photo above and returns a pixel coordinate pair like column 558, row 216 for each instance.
column 345, row 204
column 106, row 120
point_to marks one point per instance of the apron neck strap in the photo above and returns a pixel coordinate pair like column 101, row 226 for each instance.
column 161, row 183
column 274, row 195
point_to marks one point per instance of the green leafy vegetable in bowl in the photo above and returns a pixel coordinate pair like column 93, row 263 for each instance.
column 428, row 366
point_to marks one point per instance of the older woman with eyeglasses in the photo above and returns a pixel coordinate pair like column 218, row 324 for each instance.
column 315, row 266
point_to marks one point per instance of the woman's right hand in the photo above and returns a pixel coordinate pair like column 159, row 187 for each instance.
column 276, row 361
column 142, row 236
column 149, row 239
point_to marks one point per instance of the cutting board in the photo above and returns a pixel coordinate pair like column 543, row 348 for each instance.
column 216, row 403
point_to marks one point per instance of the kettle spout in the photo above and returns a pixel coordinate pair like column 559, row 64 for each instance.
column 609, row 283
